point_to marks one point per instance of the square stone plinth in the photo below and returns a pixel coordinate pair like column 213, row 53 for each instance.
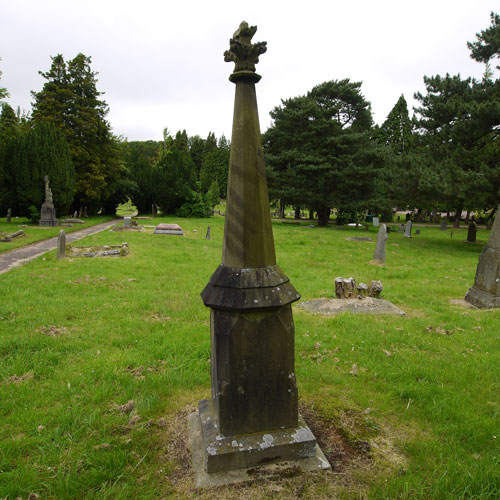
column 221, row 460
column 169, row 229
column 482, row 299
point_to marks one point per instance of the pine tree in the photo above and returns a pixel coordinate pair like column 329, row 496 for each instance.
column 396, row 131
column 487, row 45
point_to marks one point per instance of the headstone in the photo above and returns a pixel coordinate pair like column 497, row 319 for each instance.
column 9, row 215
column 48, row 211
column 485, row 293
column 61, row 245
column 127, row 221
column 252, row 416
column 379, row 254
column 75, row 215
column 443, row 226
column 362, row 290
column 376, row 221
column 471, row 233
column 408, row 229
column 207, row 236
column 169, row 229
column 417, row 231
column 401, row 228
column 85, row 214
column 345, row 288
column 80, row 212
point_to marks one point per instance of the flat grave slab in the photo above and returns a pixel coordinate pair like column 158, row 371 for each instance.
column 168, row 229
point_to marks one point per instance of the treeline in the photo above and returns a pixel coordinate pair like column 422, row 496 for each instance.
column 323, row 150
column 68, row 138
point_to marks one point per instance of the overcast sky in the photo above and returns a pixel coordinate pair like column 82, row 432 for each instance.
column 160, row 63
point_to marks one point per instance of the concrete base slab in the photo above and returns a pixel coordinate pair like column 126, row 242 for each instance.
column 203, row 479
column 367, row 305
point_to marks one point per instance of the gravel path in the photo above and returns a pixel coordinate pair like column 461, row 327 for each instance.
column 19, row 256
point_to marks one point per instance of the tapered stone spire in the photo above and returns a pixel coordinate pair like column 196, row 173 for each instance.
column 252, row 417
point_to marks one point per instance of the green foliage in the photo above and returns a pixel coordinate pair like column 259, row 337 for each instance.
column 33, row 214
column 70, row 100
column 33, row 155
column 213, row 194
column 319, row 151
column 458, row 124
column 194, row 206
column 487, row 45
column 3, row 90
column 215, row 167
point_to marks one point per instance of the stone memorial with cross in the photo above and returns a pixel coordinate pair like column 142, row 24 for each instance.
column 251, row 418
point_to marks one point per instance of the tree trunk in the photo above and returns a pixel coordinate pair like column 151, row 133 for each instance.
column 311, row 213
column 458, row 214
column 297, row 212
column 282, row 208
column 323, row 215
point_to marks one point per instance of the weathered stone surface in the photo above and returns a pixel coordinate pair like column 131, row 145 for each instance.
column 246, row 450
column 375, row 288
column 61, row 245
column 368, row 305
column 48, row 212
column 360, row 238
column 443, row 226
column 169, row 229
column 471, row 232
column 408, row 229
column 485, row 293
column 9, row 215
column 345, row 288
column 379, row 254
column 207, row 236
column 376, row 221
column 254, row 392
column 127, row 221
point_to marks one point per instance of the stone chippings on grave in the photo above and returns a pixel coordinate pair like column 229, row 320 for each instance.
column 48, row 211
column 379, row 254
column 174, row 229
column 252, row 416
column 471, row 232
column 61, row 245
column 408, row 229
column 485, row 293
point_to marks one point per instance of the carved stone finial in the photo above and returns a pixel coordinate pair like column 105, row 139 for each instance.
column 242, row 51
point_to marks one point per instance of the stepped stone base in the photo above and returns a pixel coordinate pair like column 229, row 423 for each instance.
column 221, row 460
column 482, row 299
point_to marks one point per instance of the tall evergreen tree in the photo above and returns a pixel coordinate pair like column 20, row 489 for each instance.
column 396, row 131
column 70, row 100
column 319, row 150
column 9, row 130
column 41, row 151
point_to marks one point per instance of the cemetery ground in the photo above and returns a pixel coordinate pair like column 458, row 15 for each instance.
column 34, row 232
column 102, row 359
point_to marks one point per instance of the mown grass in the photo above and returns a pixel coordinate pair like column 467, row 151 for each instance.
column 101, row 359
column 34, row 233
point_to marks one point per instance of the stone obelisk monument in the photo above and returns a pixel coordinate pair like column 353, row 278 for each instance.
column 485, row 293
column 252, row 417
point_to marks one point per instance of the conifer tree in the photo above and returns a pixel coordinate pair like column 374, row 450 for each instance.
column 70, row 100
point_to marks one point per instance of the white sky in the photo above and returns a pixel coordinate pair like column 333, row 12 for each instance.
column 161, row 64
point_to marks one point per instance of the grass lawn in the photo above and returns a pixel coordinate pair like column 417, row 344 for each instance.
column 36, row 233
column 102, row 359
